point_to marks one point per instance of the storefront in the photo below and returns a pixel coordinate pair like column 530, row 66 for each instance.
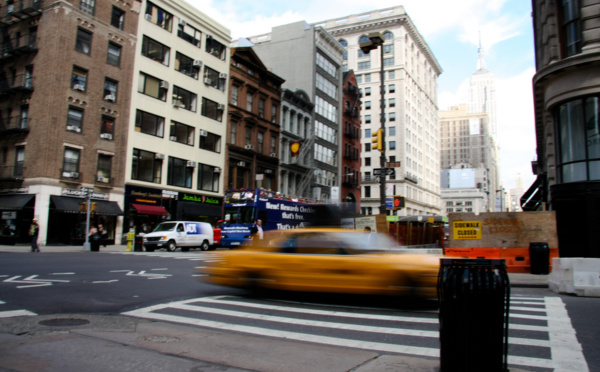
column 146, row 207
column 68, row 213
column 17, row 213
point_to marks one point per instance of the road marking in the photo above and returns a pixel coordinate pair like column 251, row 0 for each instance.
column 33, row 281
column 12, row 313
column 564, row 347
column 143, row 273
column 62, row 274
column 104, row 281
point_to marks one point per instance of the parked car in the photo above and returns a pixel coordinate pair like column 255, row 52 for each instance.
column 183, row 234
column 327, row 261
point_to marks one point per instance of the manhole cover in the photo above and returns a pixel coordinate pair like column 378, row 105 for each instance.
column 64, row 322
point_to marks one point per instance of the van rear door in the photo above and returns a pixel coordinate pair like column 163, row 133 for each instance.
column 193, row 234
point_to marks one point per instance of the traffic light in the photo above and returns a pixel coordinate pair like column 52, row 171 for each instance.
column 398, row 202
column 93, row 208
column 378, row 140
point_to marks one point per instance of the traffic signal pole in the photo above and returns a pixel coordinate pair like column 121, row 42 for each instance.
column 382, row 208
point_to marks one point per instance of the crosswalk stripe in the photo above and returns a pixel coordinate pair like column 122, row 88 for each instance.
column 12, row 313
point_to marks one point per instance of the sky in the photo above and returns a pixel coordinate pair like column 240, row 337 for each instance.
column 452, row 31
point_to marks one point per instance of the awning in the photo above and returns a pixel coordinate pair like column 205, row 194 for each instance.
column 532, row 199
column 150, row 209
column 14, row 202
column 199, row 209
column 66, row 204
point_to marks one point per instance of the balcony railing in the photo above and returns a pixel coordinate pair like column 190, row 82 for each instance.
column 14, row 124
column 20, row 10
column 19, row 83
column 19, row 45
column 12, row 172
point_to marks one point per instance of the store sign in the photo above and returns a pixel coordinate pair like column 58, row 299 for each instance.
column 168, row 194
column 201, row 199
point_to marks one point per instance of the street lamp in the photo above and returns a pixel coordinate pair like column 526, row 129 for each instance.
column 376, row 39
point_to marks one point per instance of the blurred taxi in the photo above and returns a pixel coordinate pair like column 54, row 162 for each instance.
column 325, row 260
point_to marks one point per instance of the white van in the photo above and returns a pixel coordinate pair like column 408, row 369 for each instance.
column 184, row 234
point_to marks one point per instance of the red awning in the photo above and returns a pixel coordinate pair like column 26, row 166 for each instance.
column 150, row 209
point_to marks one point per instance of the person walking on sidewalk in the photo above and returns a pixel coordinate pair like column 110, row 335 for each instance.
column 34, row 231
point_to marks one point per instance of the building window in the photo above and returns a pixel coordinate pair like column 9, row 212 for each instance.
column 273, row 146
column 208, row 179
column 326, row 65
column 326, row 86
column 184, row 99
column 117, row 18
column 367, row 147
column 189, row 34
column 214, row 79
column 367, row 105
column 367, row 119
column 388, row 62
column 273, row 113
column 367, row 78
column 578, row 128
column 215, row 48
column 149, row 124
column 83, row 42
column 233, row 133
column 392, row 102
column 19, row 160
column 367, row 162
column 248, row 137
column 392, row 145
column 210, row 141
column 104, row 168
column 392, row 88
column 182, row 133
column 260, row 141
column 391, row 74
column 392, row 131
column 145, row 166
column 571, row 27
column 110, row 90
column 88, row 6
column 367, row 91
column 392, row 116
column 261, row 107
column 187, row 65
column 79, row 79
column 107, row 127
column 212, row 109
column 249, row 101
column 365, row 65
column 155, row 50
column 114, row 54
column 74, row 119
column 235, row 91
column 24, row 117
column 153, row 87
column 179, row 173
column 71, row 161
column 367, row 188
column 159, row 16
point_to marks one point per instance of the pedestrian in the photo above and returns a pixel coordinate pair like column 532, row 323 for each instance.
column 257, row 229
column 34, row 231
column 94, row 237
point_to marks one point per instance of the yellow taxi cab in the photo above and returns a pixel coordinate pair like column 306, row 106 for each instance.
column 327, row 261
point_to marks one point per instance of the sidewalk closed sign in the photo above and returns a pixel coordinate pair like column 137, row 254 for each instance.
column 464, row 230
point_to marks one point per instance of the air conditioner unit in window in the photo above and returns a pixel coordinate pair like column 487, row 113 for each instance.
column 110, row 97
column 217, row 170
column 107, row 136
column 79, row 87
column 203, row 133
column 159, row 156
column 178, row 105
column 182, row 22
column 220, row 107
column 74, row 128
column 222, row 76
column 273, row 155
column 197, row 63
column 191, row 164
column 173, row 138
column 70, row 174
column 207, row 81
column 103, row 179
column 164, row 84
column 248, row 147
column 148, row 17
column 241, row 164
column 269, row 171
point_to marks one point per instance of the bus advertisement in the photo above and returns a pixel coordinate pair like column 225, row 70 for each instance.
column 244, row 207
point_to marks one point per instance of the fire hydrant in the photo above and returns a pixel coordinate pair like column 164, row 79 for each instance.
column 130, row 237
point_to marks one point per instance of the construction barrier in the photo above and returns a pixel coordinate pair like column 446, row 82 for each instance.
column 517, row 259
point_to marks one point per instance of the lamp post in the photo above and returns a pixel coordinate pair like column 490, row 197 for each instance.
column 376, row 40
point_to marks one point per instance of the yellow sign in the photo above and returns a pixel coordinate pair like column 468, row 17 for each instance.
column 465, row 230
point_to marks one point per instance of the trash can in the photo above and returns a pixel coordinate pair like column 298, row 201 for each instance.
column 138, row 246
column 539, row 258
column 474, row 299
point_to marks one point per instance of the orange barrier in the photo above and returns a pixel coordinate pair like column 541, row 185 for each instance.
column 517, row 259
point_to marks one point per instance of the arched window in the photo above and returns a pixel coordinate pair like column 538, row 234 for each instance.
column 344, row 43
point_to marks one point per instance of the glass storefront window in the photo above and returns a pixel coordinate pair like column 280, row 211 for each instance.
column 578, row 126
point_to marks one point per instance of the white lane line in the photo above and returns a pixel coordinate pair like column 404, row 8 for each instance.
column 566, row 349
column 62, row 274
column 12, row 313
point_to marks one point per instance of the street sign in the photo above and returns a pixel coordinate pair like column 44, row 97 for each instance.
column 388, row 171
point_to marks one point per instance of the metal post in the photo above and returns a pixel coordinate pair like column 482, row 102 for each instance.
column 382, row 204
column 88, row 199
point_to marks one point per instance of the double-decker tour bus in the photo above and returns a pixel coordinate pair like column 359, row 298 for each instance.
column 244, row 207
